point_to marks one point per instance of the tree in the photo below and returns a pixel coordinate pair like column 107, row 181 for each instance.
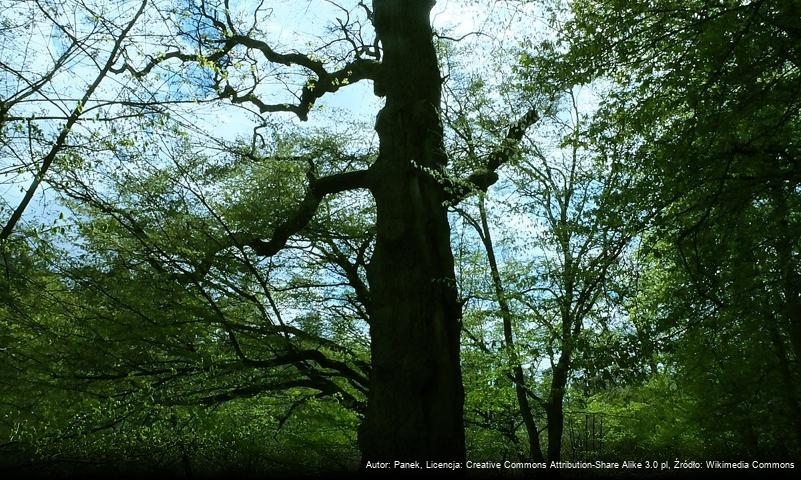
column 415, row 396
column 139, row 341
column 567, row 192
column 705, row 96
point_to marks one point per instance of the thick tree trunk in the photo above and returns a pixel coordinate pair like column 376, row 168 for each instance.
column 555, row 409
column 415, row 404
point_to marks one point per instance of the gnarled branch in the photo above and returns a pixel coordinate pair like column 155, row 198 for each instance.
column 325, row 82
column 482, row 179
column 318, row 188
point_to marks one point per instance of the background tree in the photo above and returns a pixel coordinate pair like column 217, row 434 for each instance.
column 706, row 98
column 567, row 247
column 227, row 338
column 36, row 115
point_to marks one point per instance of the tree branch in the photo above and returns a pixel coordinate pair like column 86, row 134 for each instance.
column 318, row 189
column 482, row 179
column 326, row 82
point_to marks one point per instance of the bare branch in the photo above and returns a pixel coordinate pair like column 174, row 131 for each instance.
column 325, row 82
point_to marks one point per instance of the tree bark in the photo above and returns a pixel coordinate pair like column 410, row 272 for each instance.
column 415, row 400
column 555, row 409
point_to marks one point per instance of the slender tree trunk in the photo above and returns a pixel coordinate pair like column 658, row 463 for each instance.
column 791, row 397
column 790, row 281
column 535, row 449
column 415, row 404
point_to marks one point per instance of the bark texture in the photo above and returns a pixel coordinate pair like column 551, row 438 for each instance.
column 415, row 400
column 555, row 408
